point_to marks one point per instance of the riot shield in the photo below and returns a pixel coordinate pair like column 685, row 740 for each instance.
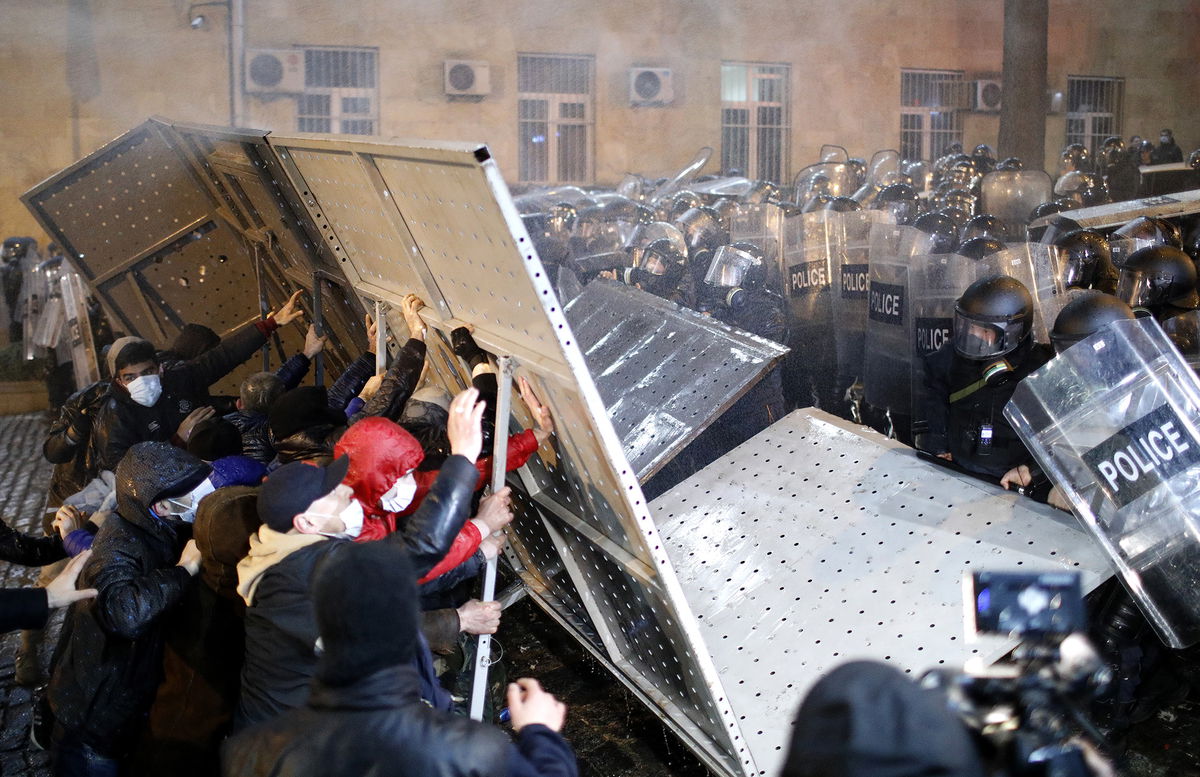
column 1115, row 421
column 77, row 330
column 681, row 179
column 884, row 169
column 887, row 377
column 1184, row 333
column 832, row 178
column 935, row 282
column 34, row 292
column 760, row 224
column 1011, row 196
column 810, row 242
column 48, row 327
column 849, row 279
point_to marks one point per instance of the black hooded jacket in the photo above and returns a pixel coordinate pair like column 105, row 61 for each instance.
column 66, row 445
column 281, row 627
column 112, row 646
column 121, row 422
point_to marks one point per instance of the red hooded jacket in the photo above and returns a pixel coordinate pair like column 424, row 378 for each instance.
column 381, row 453
column 520, row 447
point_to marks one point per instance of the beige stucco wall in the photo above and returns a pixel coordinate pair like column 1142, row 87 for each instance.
column 129, row 59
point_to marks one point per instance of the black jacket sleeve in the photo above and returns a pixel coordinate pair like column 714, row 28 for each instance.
column 431, row 530
column 72, row 427
column 218, row 362
column 541, row 752
column 292, row 371
column 398, row 384
column 30, row 551
column 130, row 600
column 23, row 608
column 112, row 436
column 351, row 381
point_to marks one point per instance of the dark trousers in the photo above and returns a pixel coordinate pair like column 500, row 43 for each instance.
column 73, row 758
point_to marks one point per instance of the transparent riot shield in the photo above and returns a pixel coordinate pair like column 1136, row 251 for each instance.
column 1011, row 196
column 1115, row 421
column 1184, row 333
column 49, row 324
column 682, row 178
column 832, row 178
column 810, row 243
column 887, row 379
column 935, row 281
column 884, row 169
column 77, row 330
column 34, row 292
column 850, row 270
column 760, row 224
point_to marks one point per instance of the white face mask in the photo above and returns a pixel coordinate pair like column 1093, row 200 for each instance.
column 145, row 390
column 352, row 517
column 400, row 495
column 183, row 508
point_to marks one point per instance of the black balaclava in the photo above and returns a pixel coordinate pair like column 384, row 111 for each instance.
column 365, row 597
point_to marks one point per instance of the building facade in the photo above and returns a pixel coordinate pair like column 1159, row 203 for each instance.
column 583, row 91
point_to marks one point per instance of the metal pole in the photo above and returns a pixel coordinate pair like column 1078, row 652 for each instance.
column 380, row 338
column 483, row 653
column 318, row 324
column 264, row 307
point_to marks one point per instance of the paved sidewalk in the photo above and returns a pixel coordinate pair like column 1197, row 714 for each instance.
column 24, row 477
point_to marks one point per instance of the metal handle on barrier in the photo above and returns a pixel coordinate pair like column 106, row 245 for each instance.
column 381, row 353
column 319, row 326
column 483, row 652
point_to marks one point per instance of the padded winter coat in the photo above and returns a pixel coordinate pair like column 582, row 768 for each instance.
column 112, row 646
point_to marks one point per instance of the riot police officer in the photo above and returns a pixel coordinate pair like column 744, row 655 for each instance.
column 1085, row 262
column 1160, row 280
column 969, row 380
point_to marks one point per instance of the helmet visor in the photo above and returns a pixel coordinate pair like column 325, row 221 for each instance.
column 729, row 267
column 1139, row 289
column 976, row 338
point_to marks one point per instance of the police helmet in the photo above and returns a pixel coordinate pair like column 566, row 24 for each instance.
column 992, row 317
column 1075, row 156
column 1193, row 159
column 1010, row 163
column 979, row 247
column 1082, row 254
column 941, row 228
column 900, row 200
column 843, row 205
column 983, row 225
column 1156, row 276
column 1085, row 315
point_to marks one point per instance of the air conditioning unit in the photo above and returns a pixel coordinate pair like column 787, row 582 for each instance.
column 467, row 77
column 650, row 86
column 985, row 95
column 274, row 71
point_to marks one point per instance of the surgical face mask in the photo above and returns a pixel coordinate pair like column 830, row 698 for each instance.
column 352, row 517
column 400, row 495
column 183, row 508
column 145, row 390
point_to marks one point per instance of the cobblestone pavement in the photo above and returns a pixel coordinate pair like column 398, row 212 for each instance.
column 24, row 476
column 613, row 734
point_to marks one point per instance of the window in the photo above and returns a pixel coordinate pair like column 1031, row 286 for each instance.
column 755, row 120
column 554, row 118
column 341, row 91
column 1093, row 109
column 929, row 112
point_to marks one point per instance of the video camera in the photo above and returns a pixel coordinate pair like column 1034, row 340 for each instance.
column 1027, row 710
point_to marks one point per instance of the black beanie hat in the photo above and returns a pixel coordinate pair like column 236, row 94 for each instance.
column 214, row 438
column 365, row 597
column 193, row 340
column 302, row 408
column 868, row 719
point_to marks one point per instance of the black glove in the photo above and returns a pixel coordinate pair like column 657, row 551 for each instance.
column 466, row 349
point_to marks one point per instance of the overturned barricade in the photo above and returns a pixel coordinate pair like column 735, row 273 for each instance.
column 719, row 604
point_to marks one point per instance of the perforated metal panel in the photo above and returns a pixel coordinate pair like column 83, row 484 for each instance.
column 437, row 219
column 173, row 223
column 817, row 542
column 664, row 372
